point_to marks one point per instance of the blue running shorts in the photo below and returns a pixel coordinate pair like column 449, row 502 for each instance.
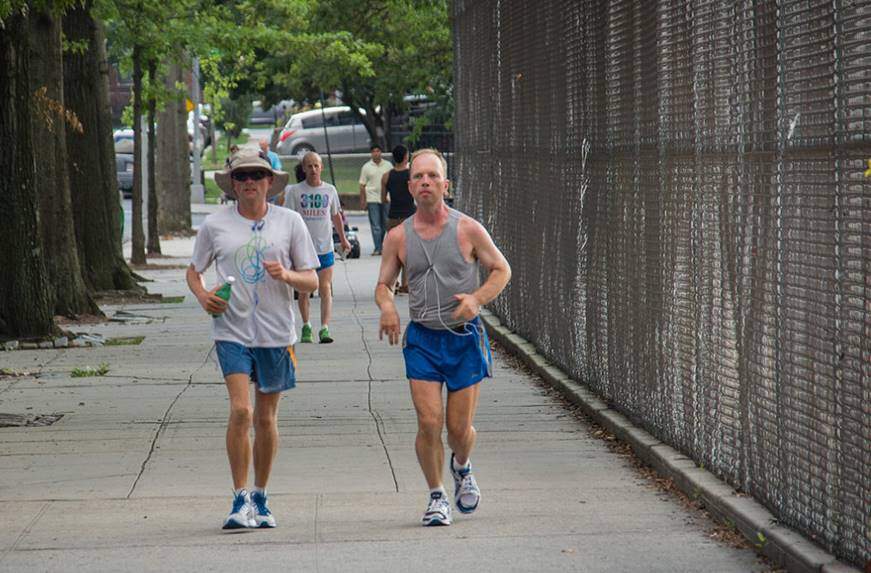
column 272, row 369
column 326, row 261
column 459, row 357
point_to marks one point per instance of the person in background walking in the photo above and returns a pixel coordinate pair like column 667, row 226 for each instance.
column 318, row 203
column 370, row 194
column 394, row 191
column 275, row 161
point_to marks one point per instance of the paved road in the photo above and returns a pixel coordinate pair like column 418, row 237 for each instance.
column 134, row 476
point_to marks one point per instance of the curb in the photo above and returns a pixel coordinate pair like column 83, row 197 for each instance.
column 782, row 545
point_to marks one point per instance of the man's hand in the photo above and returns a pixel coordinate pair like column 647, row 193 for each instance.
column 212, row 303
column 469, row 307
column 390, row 326
column 276, row 270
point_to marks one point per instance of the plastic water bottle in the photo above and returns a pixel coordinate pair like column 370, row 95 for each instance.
column 224, row 291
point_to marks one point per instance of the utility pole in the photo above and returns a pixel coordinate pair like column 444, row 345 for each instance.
column 197, row 190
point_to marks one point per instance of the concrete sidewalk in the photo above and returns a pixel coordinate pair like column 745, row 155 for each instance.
column 134, row 476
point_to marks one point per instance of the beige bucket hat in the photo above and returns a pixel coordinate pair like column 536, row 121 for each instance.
column 250, row 159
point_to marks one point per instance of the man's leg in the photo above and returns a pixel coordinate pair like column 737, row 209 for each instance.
column 462, row 405
column 427, row 398
column 238, row 428
column 305, row 314
column 304, row 306
column 385, row 208
column 265, row 435
column 325, row 292
column 374, row 211
column 461, row 408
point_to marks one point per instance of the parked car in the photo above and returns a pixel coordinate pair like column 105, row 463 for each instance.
column 124, row 172
column 272, row 115
column 123, row 140
column 304, row 132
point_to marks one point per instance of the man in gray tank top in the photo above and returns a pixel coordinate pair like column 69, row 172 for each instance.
column 445, row 343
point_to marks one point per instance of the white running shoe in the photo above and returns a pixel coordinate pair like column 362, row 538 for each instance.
column 466, row 492
column 242, row 514
column 438, row 512
column 262, row 516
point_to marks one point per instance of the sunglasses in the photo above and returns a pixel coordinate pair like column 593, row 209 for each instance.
column 248, row 175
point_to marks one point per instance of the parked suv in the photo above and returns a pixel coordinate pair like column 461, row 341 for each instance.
column 305, row 132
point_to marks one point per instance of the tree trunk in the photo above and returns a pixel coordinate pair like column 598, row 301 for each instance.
column 373, row 121
column 137, row 253
column 25, row 302
column 91, row 155
column 153, row 234
column 67, row 289
column 173, row 154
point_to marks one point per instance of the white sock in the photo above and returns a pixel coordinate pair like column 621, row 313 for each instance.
column 308, row 324
column 457, row 468
column 440, row 489
column 260, row 490
column 238, row 491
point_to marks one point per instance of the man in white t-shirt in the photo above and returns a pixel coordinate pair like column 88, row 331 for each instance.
column 318, row 203
column 269, row 252
column 370, row 194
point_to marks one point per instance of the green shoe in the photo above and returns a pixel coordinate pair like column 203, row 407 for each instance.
column 324, row 335
column 306, row 333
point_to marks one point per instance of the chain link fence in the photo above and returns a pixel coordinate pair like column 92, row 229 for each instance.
column 679, row 187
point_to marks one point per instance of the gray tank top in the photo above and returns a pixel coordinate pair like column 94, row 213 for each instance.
column 436, row 272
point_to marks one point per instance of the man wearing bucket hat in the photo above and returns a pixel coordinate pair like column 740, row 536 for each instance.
column 269, row 251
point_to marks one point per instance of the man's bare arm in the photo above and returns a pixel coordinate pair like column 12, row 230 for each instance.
column 384, row 197
column 304, row 281
column 210, row 302
column 390, row 267
column 492, row 259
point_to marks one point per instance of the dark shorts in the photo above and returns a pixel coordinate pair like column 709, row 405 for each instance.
column 459, row 357
column 272, row 369
column 326, row 261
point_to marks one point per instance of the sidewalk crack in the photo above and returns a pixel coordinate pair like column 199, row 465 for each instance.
column 25, row 531
column 376, row 417
column 163, row 423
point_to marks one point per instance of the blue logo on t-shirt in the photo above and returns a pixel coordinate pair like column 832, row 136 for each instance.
column 314, row 201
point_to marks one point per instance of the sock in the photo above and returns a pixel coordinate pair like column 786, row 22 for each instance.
column 260, row 490
column 308, row 324
column 440, row 490
column 458, row 468
column 238, row 491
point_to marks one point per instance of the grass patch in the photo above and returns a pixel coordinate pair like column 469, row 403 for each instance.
column 172, row 299
column 212, row 192
column 221, row 150
column 124, row 341
column 87, row 371
column 13, row 373
column 346, row 170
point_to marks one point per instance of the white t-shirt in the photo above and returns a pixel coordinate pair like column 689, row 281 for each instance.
column 260, row 313
column 317, row 205
column 370, row 176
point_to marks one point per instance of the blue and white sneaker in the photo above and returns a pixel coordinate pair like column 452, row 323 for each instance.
column 262, row 516
column 438, row 512
column 466, row 492
column 242, row 514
